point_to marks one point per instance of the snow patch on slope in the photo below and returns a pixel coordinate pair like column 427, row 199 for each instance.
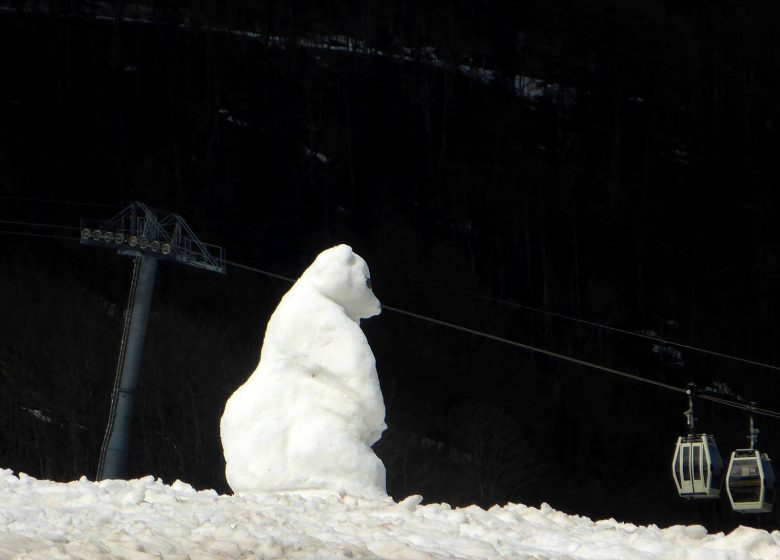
column 146, row 519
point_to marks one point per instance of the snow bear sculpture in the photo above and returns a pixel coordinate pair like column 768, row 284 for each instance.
column 308, row 415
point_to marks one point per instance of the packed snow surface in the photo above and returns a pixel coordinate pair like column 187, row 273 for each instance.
column 308, row 415
column 145, row 518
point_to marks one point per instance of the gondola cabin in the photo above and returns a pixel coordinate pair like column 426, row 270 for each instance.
column 697, row 467
column 750, row 481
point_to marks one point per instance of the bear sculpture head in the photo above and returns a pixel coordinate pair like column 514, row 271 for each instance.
column 343, row 277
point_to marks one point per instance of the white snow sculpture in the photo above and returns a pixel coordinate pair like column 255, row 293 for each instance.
column 308, row 415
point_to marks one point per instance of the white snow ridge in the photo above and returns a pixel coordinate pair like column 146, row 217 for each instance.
column 308, row 415
column 145, row 519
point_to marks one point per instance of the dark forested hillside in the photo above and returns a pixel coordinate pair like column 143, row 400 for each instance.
column 610, row 161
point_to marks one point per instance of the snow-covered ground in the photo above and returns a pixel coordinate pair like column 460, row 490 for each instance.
column 145, row 518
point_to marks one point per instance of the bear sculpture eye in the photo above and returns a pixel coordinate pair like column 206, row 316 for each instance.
column 368, row 283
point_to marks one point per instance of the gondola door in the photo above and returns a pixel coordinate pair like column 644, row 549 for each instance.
column 682, row 468
column 695, row 473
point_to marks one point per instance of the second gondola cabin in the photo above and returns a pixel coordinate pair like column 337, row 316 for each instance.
column 750, row 481
column 697, row 467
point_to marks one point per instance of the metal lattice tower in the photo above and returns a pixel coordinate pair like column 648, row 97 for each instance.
column 137, row 232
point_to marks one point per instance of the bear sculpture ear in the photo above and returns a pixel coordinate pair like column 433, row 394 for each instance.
column 340, row 256
column 344, row 253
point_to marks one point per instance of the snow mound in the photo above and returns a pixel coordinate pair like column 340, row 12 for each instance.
column 308, row 415
column 147, row 519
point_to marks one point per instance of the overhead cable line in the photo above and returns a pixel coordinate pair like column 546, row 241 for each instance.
column 259, row 271
column 740, row 405
column 534, row 349
column 747, row 407
column 54, row 201
column 655, row 339
column 30, row 234
column 36, row 224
